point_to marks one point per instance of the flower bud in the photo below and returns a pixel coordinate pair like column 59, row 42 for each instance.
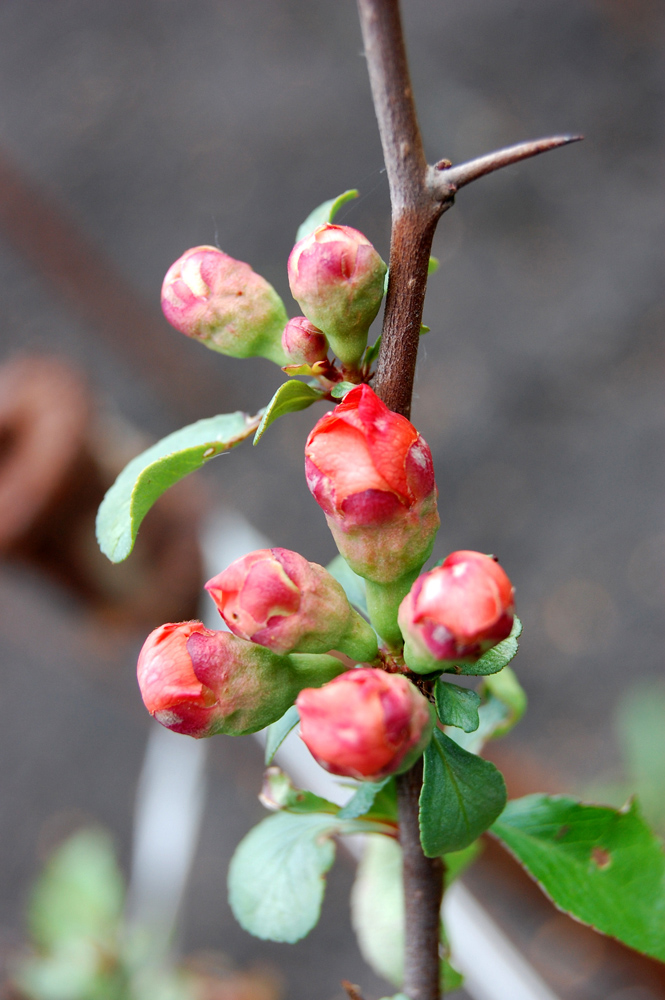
column 278, row 599
column 337, row 277
column 303, row 343
column 199, row 682
column 223, row 303
column 371, row 472
column 366, row 724
column 456, row 612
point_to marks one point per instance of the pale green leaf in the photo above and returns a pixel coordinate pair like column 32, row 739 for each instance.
column 363, row 800
column 151, row 473
column 461, row 796
column 325, row 212
column 277, row 875
column 79, row 894
column 279, row 793
column 503, row 705
column 603, row 866
column 290, row 397
column 340, row 390
column 278, row 731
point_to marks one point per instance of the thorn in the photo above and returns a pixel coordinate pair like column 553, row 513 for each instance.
column 446, row 180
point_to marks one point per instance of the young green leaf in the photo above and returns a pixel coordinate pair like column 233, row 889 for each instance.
column 603, row 866
column 494, row 659
column 325, row 212
column 277, row 875
column 354, row 585
column 290, row 396
column 151, row 473
column 279, row 793
column 340, row 390
column 363, row 800
column 456, row 706
column 372, row 352
column 377, row 912
column 433, row 266
column 278, row 731
column 461, row 796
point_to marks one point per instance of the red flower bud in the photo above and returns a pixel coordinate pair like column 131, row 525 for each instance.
column 365, row 724
column 223, row 303
column 278, row 599
column 199, row 682
column 456, row 612
column 371, row 472
column 303, row 343
column 337, row 277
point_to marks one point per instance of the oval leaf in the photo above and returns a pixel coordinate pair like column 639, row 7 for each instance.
column 290, row 396
column 456, row 706
column 277, row 875
column 461, row 797
column 278, row 731
column 325, row 212
column 603, row 866
column 151, row 473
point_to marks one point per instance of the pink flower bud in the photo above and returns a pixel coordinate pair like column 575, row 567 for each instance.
column 278, row 599
column 365, row 724
column 456, row 612
column 371, row 472
column 199, row 682
column 337, row 277
column 303, row 343
column 223, row 303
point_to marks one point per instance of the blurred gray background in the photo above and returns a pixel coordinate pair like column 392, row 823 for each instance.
column 147, row 128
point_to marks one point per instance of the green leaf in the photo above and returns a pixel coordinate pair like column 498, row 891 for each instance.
column 494, row 659
column 456, row 706
column 341, row 389
column 151, row 473
column 433, row 266
column 277, row 875
column 372, row 352
column 279, row 793
column 354, row 585
column 325, row 212
column 278, row 731
column 290, row 396
column 504, row 704
column 461, row 796
column 377, row 912
column 80, row 893
column 640, row 716
column 424, row 329
column 363, row 800
column 604, row 866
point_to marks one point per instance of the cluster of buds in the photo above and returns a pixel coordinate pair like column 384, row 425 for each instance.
column 371, row 472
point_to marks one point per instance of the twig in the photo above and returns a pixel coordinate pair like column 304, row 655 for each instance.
column 419, row 195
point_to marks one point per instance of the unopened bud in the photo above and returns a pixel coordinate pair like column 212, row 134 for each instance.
column 456, row 612
column 278, row 599
column 223, row 303
column 371, row 472
column 303, row 343
column 337, row 277
column 199, row 682
column 366, row 724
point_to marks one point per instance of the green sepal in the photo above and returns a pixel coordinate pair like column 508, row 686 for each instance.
column 151, row 473
column 462, row 795
column 278, row 731
column 603, row 866
column 290, row 397
column 323, row 213
column 456, row 706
